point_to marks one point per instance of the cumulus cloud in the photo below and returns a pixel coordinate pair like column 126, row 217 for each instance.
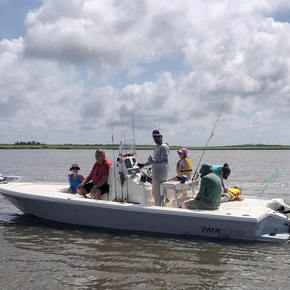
column 83, row 64
column 34, row 93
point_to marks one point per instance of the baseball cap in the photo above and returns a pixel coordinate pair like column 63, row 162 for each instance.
column 156, row 133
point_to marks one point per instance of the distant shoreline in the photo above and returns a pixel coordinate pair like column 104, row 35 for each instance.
column 144, row 147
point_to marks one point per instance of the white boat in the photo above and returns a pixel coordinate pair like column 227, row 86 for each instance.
column 129, row 206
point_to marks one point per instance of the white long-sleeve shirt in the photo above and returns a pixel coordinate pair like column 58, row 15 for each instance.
column 159, row 161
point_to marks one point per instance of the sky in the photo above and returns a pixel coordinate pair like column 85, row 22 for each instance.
column 78, row 71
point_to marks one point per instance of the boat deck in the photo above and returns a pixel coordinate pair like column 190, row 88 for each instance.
column 249, row 208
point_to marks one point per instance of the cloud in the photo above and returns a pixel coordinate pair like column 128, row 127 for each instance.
column 34, row 93
column 84, row 64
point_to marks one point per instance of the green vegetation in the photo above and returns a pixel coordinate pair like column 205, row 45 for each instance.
column 37, row 145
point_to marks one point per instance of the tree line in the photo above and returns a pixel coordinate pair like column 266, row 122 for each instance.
column 28, row 143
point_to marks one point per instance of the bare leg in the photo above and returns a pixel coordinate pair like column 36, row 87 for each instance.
column 173, row 178
column 96, row 193
column 70, row 190
column 81, row 190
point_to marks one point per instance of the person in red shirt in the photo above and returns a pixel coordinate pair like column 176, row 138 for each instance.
column 96, row 182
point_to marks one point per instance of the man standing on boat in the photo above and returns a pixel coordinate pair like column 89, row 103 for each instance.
column 160, row 166
column 96, row 182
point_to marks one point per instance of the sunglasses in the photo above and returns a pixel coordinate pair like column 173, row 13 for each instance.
column 74, row 169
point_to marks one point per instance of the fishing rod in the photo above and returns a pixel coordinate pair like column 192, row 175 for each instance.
column 211, row 135
column 114, row 160
column 134, row 137
column 122, row 174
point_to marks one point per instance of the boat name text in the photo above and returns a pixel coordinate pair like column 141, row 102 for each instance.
column 222, row 232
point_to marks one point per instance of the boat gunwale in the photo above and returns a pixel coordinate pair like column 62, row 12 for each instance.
column 198, row 213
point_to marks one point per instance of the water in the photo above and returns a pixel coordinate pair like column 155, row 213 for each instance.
column 37, row 254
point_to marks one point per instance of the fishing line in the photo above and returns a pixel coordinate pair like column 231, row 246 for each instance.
column 211, row 135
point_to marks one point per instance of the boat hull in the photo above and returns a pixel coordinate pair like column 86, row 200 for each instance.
column 223, row 223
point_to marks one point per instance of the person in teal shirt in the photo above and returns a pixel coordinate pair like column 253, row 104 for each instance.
column 210, row 192
column 223, row 172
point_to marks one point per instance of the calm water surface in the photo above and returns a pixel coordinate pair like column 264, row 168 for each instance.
column 37, row 254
